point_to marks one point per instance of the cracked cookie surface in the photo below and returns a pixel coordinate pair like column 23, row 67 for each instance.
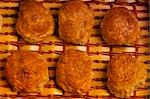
column 76, row 22
column 125, row 74
column 35, row 22
column 120, row 27
column 74, row 71
column 27, row 71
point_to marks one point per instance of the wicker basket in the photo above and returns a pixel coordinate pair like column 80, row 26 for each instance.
column 52, row 48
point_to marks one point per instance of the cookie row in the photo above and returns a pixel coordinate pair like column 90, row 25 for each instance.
column 35, row 23
column 28, row 72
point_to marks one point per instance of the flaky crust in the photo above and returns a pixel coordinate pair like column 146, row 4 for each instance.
column 73, row 73
column 27, row 71
column 35, row 22
column 76, row 22
column 120, row 27
column 125, row 74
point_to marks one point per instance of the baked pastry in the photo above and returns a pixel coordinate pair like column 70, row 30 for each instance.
column 35, row 22
column 27, row 71
column 73, row 71
column 76, row 22
column 120, row 27
column 125, row 74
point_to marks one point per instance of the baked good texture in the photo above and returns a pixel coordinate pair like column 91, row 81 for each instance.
column 125, row 74
column 35, row 22
column 27, row 71
column 74, row 71
column 76, row 22
column 120, row 27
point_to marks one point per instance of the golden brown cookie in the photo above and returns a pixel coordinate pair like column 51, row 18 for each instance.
column 27, row 71
column 120, row 27
column 74, row 71
column 76, row 22
column 125, row 74
column 35, row 22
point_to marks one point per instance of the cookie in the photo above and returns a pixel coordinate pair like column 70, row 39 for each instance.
column 73, row 71
column 120, row 27
column 125, row 74
column 76, row 22
column 27, row 71
column 35, row 22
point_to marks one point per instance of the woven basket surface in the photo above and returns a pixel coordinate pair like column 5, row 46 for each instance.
column 53, row 47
